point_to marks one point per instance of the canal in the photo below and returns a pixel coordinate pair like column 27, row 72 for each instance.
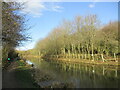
column 76, row 74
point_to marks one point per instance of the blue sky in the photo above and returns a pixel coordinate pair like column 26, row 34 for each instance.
column 43, row 17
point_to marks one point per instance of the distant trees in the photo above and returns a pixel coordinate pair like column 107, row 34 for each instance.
column 111, row 39
column 81, row 38
column 13, row 27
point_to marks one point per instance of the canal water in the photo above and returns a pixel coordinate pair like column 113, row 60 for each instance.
column 80, row 75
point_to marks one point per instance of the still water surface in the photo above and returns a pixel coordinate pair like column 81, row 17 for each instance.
column 80, row 75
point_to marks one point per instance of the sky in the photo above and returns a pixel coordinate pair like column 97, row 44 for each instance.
column 44, row 16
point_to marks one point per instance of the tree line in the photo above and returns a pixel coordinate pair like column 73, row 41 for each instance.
column 13, row 29
column 83, row 37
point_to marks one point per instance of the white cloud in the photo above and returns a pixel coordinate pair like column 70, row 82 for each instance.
column 36, row 8
column 33, row 8
column 91, row 5
column 27, row 46
column 57, row 8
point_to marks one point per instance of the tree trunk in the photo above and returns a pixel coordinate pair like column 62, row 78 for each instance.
column 92, row 53
column 102, row 57
column 115, row 57
column 69, row 53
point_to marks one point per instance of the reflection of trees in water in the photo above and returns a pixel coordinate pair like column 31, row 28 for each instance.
column 87, row 75
column 93, row 69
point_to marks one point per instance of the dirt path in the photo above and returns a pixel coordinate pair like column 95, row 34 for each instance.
column 14, row 79
column 9, row 81
column 8, row 78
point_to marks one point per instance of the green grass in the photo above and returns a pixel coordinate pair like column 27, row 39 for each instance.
column 21, row 63
column 23, row 74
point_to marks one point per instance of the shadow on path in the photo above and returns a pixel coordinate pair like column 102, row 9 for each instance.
column 15, row 77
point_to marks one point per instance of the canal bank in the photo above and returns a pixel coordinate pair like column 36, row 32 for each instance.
column 92, row 62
